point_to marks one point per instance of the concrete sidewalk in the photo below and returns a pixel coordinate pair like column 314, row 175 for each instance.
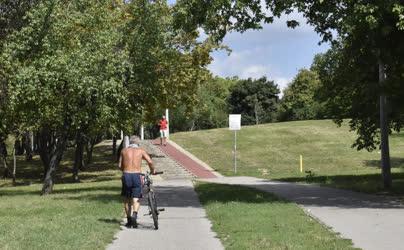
column 182, row 226
column 372, row 222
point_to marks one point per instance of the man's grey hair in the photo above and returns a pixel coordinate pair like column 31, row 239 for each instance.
column 134, row 140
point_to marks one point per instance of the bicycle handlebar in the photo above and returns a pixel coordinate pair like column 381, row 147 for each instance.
column 158, row 172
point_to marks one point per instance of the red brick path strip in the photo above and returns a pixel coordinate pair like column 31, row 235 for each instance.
column 189, row 164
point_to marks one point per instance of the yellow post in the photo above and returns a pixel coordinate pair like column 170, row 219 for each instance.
column 301, row 164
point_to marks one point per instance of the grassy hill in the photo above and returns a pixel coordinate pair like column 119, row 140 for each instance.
column 273, row 150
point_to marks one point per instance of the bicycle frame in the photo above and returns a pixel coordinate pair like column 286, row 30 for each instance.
column 151, row 199
column 147, row 182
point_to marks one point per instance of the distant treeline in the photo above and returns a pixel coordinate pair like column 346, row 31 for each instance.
column 257, row 100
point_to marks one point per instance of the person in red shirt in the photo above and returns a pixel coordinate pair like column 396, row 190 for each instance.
column 163, row 124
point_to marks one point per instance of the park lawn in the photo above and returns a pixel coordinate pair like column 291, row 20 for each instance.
column 272, row 151
column 82, row 215
column 246, row 218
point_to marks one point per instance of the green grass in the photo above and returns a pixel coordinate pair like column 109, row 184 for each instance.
column 272, row 151
column 245, row 218
column 76, row 216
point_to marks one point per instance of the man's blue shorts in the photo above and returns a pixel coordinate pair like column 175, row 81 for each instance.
column 131, row 185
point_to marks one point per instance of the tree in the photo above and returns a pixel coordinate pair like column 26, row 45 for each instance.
column 166, row 65
column 211, row 109
column 66, row 68
column 366, row 31
column 218, row 17
column 256, row 100
column 11, row 20
column 80, row 68
column 298, row 101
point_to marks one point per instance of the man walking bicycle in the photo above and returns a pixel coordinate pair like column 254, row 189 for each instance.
column 130, row 162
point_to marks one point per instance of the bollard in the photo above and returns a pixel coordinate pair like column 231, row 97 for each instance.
column 301, row 164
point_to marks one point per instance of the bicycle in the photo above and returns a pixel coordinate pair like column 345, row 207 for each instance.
column 151, row 198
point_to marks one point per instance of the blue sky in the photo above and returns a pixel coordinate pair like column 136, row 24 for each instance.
column 276, row 51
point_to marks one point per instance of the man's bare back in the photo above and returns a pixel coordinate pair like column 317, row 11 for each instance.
column 131, row 160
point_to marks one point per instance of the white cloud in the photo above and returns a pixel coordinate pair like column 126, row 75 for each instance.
column 282, row 83
column 254, row 71
column 233, row 65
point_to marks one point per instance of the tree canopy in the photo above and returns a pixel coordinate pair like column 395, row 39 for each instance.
column 211, row 108
column 77, row 69
column 255, row 99
column 298, row 101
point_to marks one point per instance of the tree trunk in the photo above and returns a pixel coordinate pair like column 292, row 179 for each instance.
column 27, row 143
column 384, row 131
column 14, row 167
column 51, row 146
column 19, row 149
column 89, row 149
column 114, row 145
column 256, row 110
column 3, row 154
column 6, row 172
column 78, row 156
column 118, row 153
column 89, row 152
column 192, row 126
column 35, row 140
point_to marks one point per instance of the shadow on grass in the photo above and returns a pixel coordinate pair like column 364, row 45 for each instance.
column 87, row 189
column 301, row 194
column 224, row 193
column 100, row 170
column 60, row 191
column 98, row 197
column 367, row 183
column 397, row 135
column 110, row 221
column 179, row 196
column 99, row 177
column 103, row 168
column 313, row 195
column 396, row 162
column 167, row 196
column 13, row 192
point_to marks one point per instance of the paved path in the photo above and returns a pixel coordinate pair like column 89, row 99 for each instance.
column 182, row 226
column 172, row 169
column 372, row 222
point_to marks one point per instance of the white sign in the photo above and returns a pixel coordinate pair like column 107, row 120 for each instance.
column 234, row 122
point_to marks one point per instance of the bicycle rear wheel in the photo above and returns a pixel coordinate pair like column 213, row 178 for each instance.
column 153, row 208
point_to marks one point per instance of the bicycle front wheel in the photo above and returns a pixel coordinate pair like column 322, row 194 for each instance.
column 153, row 208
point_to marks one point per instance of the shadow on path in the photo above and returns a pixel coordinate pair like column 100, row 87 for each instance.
column 314, row 195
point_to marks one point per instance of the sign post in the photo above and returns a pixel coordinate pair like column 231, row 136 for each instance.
column 168, row 124
column 142, row 132
column 235, row 124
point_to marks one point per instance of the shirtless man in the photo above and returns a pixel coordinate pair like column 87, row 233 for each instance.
column 130, row 162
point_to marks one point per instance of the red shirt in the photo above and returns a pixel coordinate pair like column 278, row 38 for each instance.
column 163, row 124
